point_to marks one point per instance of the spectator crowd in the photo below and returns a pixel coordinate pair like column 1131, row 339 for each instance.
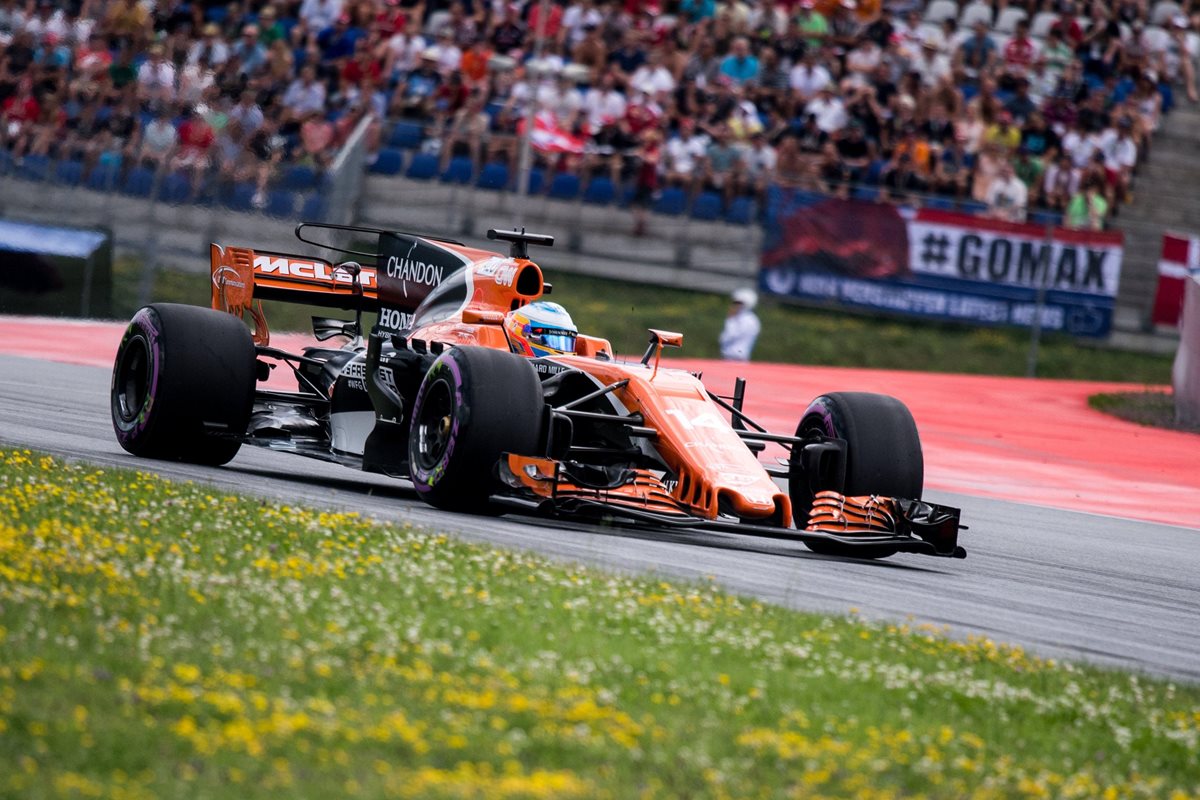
column 1012, row 105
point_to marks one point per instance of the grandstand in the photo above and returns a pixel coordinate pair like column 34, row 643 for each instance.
column 691, row 108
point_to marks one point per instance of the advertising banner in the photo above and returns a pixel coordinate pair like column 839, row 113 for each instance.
column 941, row 264
column 54, row 271
column 1180, row 258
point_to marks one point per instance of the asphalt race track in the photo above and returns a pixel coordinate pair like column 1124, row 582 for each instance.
column 1062, row 583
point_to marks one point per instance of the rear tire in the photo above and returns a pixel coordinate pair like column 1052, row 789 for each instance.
column 883, row 456
column 183, row 384
column 474, row 405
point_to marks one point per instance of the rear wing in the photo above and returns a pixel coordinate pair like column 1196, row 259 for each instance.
column 400, row 273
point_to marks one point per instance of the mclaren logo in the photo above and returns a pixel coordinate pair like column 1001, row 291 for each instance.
column 227, row 276
column 286, row 267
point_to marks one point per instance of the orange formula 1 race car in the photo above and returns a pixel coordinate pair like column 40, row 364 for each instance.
column 484, row 395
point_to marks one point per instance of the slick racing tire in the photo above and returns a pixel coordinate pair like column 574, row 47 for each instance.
column 183, row 384
column 474, row 405
column 883, row 456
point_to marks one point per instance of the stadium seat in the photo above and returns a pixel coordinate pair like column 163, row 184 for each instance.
column 707, row 206
column 68, row 173
column 239, row 199
column 493, row 176
column 423, row 167
column 281, row 203
column 34, row 168
column 1042, row 23
column 868, row 193
column 138, row 182
column 973, row 13
column 314, row 208
column 103, row 178
column 875, row 171
column 1052, row 218
column 1162, row 12
column 299, row 178
column 176, row 188
column 671, row 201
column 216, row 14
column 939, row 10
column 537, row 180
column 564, row 186
column 741, row 211
column 459, row 170
column 1008, row 19
column 406, row 135
column 973, row 207
column 939, row 203
column 600, row 192
column 388, row 161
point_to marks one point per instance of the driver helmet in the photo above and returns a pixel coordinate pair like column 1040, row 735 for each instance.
column 540, row 329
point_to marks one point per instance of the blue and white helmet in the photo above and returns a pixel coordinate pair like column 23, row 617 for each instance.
column 540, row 329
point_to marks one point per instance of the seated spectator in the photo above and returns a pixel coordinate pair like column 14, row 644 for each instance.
column 316, row 136
column 612, row 149
column 976, row 55
column 652, row 78
column 159, row 139
column 1019, row 55
column 1003, row 135
column 447, row 53
column 303, row 96
column 760, row 160
column 1037, row 139
column 156, row 77
column 249, row 53
column 808, row 78
column 855, row 152
column 320, row 14
column 475, row 64
column 647, row 158
column 723, row 164
column 1120, row 157
column 210, row 47
column 740, row 66
column 912, row 143
column 832, row 175
column 683, row 155
column 1029, row 169
column 467, row 130
column 931, row 64
column 94, row 57
column 1087, row 208
column 1020, row 106
column 625, row 60
column 604, row 102
column 196, row 139
column 828, row 110
column 1060, row 183
column 415, row 96
column 952, row 169
column 1007, row 197
column 901, row 180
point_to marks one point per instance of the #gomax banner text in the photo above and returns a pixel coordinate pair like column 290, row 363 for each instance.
column 1014, row 255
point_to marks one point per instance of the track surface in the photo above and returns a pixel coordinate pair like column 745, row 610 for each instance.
column 1063, row 583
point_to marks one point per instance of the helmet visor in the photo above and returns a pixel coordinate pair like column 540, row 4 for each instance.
column 553, row 338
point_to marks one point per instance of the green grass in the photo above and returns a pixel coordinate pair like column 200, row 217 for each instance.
column 621, row 312
column 1153, row 408
column 169, row 640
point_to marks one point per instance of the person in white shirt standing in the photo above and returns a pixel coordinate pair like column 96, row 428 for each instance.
column 741, row 326
column 1007, row 196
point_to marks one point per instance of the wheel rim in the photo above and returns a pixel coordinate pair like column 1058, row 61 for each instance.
column 435, row 423
column 133, row 379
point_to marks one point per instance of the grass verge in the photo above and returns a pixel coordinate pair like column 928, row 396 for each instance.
column 164, row 639
column 621, row 312
column 1151, row 408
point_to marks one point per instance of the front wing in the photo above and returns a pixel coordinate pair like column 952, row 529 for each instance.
column 918, row 527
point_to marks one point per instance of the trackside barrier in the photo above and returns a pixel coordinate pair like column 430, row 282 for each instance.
column 1185, row 375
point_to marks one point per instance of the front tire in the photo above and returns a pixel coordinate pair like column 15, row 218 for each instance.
column 474, row 405
column 183, row 384
column 883, row 456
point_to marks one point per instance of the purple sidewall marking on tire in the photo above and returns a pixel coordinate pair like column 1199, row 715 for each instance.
column 423, row 479
column 142, row 323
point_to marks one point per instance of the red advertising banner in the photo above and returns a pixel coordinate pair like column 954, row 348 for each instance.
column 1180, row 258
column 941, row 264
